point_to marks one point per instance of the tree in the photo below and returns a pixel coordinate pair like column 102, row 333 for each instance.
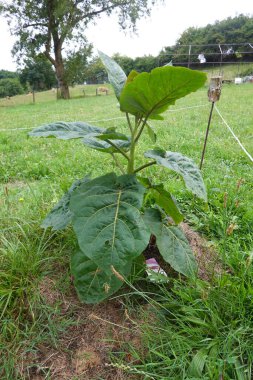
column 38, row 73
column 145, row 63
column 227, row 33
column 76, row 65
column 95, row 72
column 10, row 87
column 49, row 25
column 125, row 62
column 8, row 74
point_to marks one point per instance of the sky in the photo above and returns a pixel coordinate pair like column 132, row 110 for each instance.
column 165, row 25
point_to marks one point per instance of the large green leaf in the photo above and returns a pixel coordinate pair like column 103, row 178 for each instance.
column 183, row 166
column 65, row 130
column 108, row 222
column 172, row 244
column 60, row 216
column 131, row 76
column 116, row 75
column 165, row 200
column 93, row 285
column 95, row 141
column 150, row 94
column 112, row 134
column 151, row 133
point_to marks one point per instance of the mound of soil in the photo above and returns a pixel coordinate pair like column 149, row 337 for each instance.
column 82, row 351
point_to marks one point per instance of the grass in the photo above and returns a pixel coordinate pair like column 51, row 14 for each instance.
column 202, row 330
column 231, row 71
column 79, row 91
column 197, row 331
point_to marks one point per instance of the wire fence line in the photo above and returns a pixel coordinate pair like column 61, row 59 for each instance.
column 173, row 110
column 110, row 119
column 233, row 134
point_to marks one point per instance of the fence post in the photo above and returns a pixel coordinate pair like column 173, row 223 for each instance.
column 214, row 93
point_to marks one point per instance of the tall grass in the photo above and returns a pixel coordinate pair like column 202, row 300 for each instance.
column 196, row 330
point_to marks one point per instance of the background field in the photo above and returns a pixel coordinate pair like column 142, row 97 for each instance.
column 34, row 173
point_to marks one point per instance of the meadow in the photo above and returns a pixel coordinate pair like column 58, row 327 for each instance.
column 193, row 329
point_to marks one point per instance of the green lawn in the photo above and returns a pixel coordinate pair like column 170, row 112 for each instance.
column 34, row 173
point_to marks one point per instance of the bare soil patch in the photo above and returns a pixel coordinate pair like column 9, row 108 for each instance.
column 208, row 260
column 83, row 350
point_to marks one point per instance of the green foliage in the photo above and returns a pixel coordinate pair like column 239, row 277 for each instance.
column 172, row 243
column 183, row 166
column 38, row 73
column 126, row 63
column 92, row 283
column 65, row 131
column 116, row 75
column 8, row 74
column 10, row 87
column 150, row 94
column 75, row 65
column 236, row 30
column 200, row 330
column 60, row 216
column 95, row 71
column 107, row 212
column 108, row 222
column 145, row 63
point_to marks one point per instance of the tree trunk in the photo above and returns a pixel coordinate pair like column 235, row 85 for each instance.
column 60, row 70
column 64, row 88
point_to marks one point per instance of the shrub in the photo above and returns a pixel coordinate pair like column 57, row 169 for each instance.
column 10, row 87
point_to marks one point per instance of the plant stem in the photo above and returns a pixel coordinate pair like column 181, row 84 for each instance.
column 145, row 166
column 129, row 122
column 118, row 163
column 118, row 149
column 141, row 130
column 130, row 167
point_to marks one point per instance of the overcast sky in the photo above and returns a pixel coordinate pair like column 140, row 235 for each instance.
column 162, row 28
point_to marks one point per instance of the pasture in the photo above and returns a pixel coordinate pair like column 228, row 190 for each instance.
column 210, row 327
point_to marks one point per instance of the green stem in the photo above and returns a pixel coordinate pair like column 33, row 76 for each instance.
column 145, row 166
column 118, row 163
column 129, row 122
column 130, row 167
column 118, row 149
column 141, row 130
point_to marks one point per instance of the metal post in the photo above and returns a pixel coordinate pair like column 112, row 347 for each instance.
column 207, row 132
column 189, row 56
column 214, row 93
column 33, row 92
column 220, row 58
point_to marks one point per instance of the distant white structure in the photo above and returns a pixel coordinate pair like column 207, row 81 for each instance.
column 201, row 58
column 238, row 80
column 229, row 51
column 169, row 64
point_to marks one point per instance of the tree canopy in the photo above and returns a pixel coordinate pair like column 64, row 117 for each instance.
column 38, row 73
column 235, row 33
column 51, row 26
column 10, row 87
column 8, row 74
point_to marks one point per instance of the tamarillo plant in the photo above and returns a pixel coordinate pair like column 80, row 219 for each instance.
column 113, row 216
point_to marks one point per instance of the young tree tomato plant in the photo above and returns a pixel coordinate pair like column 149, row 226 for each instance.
column 110, row 216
